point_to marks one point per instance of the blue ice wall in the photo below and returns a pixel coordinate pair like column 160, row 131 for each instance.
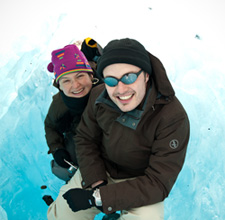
column 195, row 66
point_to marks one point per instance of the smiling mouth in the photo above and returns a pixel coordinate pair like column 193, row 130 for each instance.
column 77, row 92
column 124, row 98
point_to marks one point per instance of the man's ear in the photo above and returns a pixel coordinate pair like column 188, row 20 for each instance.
column 146, row 77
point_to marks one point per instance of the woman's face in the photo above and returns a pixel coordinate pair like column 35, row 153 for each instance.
column 76, row 85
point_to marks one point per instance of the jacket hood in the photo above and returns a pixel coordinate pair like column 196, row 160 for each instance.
column 160, row 78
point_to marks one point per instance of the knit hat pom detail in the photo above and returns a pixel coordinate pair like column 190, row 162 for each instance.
column 50, row 67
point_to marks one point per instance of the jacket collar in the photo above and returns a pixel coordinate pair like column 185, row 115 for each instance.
column 129, row 119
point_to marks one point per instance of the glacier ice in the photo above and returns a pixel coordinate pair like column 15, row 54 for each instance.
column 195, row 67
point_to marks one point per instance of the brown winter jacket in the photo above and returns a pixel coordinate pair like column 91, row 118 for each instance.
column 147, row 145
column 59, row 121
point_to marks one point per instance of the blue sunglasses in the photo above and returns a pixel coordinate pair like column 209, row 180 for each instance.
column 127, row 79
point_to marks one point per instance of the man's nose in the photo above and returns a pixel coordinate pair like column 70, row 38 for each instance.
column 121, row 87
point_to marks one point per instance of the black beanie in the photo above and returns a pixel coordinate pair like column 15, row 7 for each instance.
column 124, row 51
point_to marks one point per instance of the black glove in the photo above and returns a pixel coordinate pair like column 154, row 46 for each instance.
column 59, row 156
column 79, row 199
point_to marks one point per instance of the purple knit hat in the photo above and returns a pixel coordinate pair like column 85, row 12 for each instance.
column 68, row 60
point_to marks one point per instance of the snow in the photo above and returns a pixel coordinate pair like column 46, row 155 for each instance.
column 187, row 36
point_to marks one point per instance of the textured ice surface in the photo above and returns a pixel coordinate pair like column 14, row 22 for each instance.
column 195, row 66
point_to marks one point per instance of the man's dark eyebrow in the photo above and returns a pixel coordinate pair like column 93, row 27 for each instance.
column 125, row 73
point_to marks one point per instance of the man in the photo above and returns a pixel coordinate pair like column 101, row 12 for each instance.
column 131, row 141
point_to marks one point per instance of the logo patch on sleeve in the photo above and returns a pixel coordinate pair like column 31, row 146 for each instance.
column 174, row 144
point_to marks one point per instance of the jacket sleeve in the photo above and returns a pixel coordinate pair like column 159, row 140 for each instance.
column 88, row 144
column 54, row 138
column 165, row 163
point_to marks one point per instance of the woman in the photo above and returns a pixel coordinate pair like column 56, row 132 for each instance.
column 74, row 78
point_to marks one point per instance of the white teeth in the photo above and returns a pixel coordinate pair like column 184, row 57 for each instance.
column 125, row 97
column 78, row 91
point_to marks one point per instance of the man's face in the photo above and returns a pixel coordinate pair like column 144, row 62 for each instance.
column 126, row 97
